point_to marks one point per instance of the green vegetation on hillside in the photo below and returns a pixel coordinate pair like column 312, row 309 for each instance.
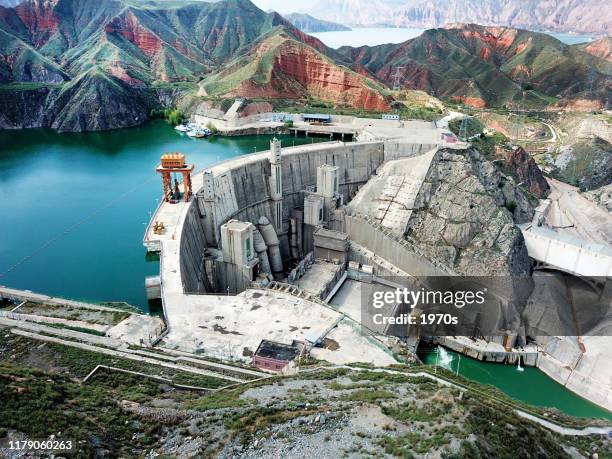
column 171, row 115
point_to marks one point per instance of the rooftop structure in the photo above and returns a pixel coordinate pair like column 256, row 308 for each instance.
column 274, row 356
column 331, row 245
column 170, row 165
column 316, row 118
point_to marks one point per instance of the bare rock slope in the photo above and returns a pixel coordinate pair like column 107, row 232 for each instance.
column 466, row 215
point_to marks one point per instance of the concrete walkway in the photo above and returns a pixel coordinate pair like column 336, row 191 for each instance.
column 24, row 295
column 124, row 355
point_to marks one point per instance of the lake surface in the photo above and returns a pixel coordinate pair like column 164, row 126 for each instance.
column 381, row 35
column 367, row 36
column 74, row 206
column 529, row 385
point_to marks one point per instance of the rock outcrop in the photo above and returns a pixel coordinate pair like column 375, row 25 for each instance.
column 601, row 196
column 466, row 215
column 523, row 166
column 282, row 65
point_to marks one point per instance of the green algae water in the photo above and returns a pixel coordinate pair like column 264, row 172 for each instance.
column 74, row 207
column 527, row 384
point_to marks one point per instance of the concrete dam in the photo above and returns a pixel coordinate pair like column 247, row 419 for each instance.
column 272, row 250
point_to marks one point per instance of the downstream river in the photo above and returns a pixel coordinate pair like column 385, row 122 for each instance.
column 74, row 209
column 527, row 384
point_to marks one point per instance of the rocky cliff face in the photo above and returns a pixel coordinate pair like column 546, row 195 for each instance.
column 40, row 19
column 466, row 216
column 601, row 196
column 522, row 165
column 68, row 108
column 586, row 163
column 282, row 65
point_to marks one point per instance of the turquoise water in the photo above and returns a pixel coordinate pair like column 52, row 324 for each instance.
column 382, row 35
column 77, row 206
column 529, row 385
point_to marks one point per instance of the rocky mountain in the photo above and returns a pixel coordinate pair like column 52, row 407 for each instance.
column 286, row 64
column 490, row 66
column 89, row 65
column 62, row 58
column 601, row 48
column 307, row 23
column 466, row 215
column 582, row 16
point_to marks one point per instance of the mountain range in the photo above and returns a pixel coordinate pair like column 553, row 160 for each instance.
column 492, row 66
column 580, row 16
column 307, row 23
column 77, row 65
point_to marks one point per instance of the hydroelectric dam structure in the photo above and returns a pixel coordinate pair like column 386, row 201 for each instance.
column 260, row 253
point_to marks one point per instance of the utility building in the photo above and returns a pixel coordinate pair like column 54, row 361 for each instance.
column 327, row 180
column 237, row 242
column 331, row 245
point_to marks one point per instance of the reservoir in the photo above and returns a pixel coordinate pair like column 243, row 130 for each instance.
column 74, row 207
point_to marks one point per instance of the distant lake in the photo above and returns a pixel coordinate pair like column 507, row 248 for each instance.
column 367, row 36
column 570, row 38
column 381, row 35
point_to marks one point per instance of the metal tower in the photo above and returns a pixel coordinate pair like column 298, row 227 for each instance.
column 397, row 78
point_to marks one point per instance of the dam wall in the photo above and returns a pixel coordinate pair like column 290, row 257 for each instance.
column 192, row 246
column 391, row 248
column 242, row 189
column 397, row 149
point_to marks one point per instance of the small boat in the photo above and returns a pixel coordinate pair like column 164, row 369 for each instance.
column 197, row 133
column 182, row 128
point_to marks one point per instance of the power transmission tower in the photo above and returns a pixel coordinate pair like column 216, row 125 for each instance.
column 396, row 78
